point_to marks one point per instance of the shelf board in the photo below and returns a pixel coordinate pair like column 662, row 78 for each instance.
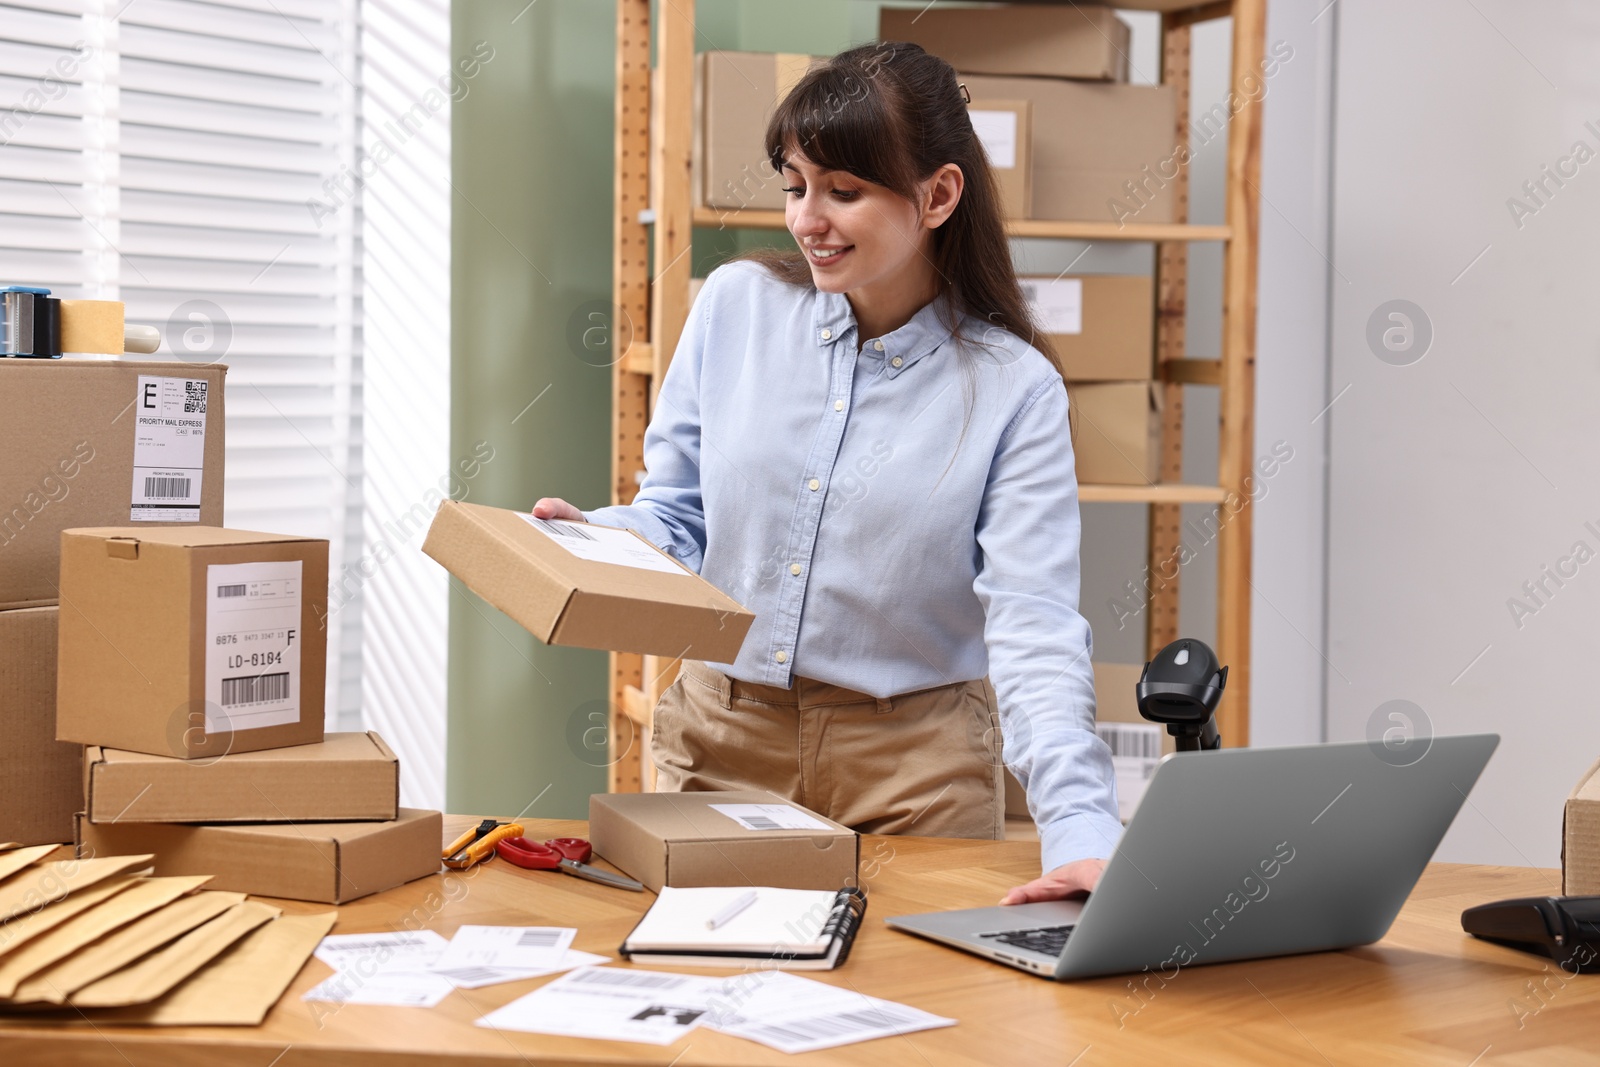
column 751, row 219
column 1160, row 493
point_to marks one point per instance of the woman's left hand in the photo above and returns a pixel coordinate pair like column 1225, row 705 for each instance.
column 1072, row 879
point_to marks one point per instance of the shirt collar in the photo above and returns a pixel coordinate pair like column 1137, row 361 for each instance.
column 832, row 321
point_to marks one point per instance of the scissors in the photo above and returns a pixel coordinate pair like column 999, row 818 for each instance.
column 569, row 855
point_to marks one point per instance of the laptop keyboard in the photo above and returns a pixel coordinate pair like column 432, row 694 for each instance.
column 1049, row 940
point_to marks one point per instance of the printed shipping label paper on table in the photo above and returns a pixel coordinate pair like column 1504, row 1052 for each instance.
column 647, row 1006
column 603, row 544
column 514, row 947
column 169, row 448
column 794, row 1014
column 252, row 645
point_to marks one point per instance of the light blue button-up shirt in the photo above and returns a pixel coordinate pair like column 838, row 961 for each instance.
column 899, row 517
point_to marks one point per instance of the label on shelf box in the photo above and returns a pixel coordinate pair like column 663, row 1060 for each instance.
column 1056, row 303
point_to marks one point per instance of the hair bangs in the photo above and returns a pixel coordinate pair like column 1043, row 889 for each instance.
column 832, row 120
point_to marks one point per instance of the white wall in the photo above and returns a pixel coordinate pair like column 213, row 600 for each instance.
column 1457, row 478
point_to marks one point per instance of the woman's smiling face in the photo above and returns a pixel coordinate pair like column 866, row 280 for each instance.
column 854, row 234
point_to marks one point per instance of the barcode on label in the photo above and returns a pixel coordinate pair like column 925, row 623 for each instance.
column 817, row 1027
column 256, row 689
column 1140, row 740
column 758, row 822
column 622, row 978
column 539, row 939
column 225, row 591
column 376, row 943
column 563, row 529
column 471, row 974
column 158, row 488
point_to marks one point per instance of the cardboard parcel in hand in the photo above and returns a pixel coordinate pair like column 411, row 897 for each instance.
column 587, row 586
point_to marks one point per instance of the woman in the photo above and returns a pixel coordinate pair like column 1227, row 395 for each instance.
column 856, row 443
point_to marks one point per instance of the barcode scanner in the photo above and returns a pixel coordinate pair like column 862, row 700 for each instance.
column 1181, row 687
column 1566, row 929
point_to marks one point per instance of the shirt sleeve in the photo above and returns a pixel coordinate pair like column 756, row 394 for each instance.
column 1039, row 646
column 668, row 510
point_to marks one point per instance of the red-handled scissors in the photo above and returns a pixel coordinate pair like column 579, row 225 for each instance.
column 567, row 854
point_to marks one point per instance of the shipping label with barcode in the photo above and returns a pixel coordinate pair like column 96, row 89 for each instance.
column 253, row 638
column 770, row 817
column 1135, row 752
column 603, row 544
column 1056, row 303
column 169, row 448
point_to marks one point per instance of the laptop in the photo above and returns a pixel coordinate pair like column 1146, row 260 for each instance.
column 1239, row 854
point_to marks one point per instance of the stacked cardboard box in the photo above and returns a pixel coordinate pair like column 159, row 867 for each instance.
column 85, row 443
column 192, row 662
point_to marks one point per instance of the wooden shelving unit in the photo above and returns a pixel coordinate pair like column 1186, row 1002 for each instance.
column 653, row 199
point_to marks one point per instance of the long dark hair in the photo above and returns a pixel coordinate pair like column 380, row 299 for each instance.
column 892, row 114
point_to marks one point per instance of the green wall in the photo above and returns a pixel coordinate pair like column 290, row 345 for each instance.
column 531, row 250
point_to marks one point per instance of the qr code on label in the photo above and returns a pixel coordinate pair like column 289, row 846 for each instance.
column 194, row 401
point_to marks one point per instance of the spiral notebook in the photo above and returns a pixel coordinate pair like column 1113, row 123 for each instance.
column 794, row 929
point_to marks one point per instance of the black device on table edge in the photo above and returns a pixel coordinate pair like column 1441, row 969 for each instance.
column 1566, row 929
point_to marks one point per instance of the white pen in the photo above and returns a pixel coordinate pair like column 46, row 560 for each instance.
column 734, row 907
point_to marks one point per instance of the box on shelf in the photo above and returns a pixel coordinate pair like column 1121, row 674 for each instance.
column 586, row 585
column 191, row 641
column 332, row 863
column 41, row 783
column 1006, row 129
column 100, row 443
column 1101, row 152
column 346, row 777
column 735, row 95
column 1580, row 837
column 1102, row 325
column 1116, row 432
column 1083, row 41
column 721, row 838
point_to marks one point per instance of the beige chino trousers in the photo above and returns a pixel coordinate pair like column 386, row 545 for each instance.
column 925, row 763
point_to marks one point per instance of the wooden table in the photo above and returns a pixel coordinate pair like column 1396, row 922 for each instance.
column 1425, row 994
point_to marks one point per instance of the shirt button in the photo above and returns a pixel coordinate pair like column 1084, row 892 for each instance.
column 896, row 361
column 826, row 334
column 794, row 568
column 878, row 345
column 838, row 405
column 781, row 657
column 813, row 485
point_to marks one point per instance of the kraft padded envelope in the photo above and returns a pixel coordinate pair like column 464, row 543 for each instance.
column 18, row 932
column 158, row 972
column 118, row 950
column 240, row 987
column 83, row 930
column 16, row 859
column 46, row 883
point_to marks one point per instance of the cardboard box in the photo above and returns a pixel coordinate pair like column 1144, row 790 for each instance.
column 41, row 783
column 735, row 96
column 680, row 839
column 1116, row 432
column 191, row 641
column 333, row 863
column 1006, row 129
column 587, row 586
column 84, row 440
column 1102, row 325
column 1101, row 152
column 347, row 777
column 1580, row 837
column 1071, row 41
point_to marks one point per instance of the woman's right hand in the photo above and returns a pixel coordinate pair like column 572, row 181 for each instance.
column 551, row 507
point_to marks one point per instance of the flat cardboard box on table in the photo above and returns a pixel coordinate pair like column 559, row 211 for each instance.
column 41, row 783
column 678, row 839
column 1084, row 41
column 184, row 641
column 1101, row 152
column 654, row 605
column 1116, row 432
column 333, row 863
column 1580, row 837
column 1101, row 325
column 72, row 432
column 345, row 777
